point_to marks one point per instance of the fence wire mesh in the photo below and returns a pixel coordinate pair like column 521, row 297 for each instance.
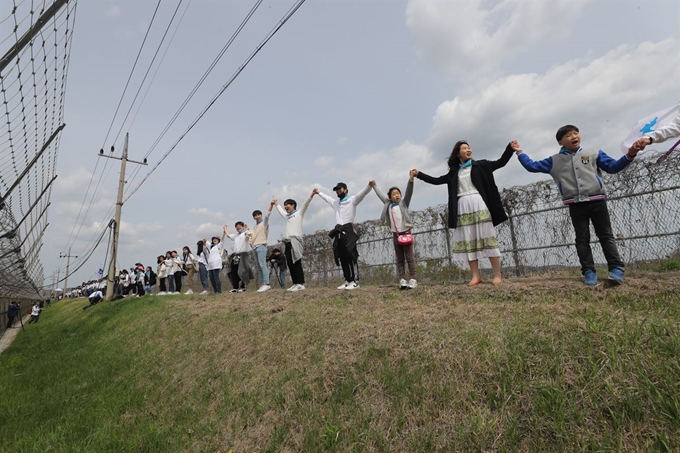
column 35, row 41
column 644, row 206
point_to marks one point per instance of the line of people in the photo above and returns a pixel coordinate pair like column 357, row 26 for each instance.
column 474, row 210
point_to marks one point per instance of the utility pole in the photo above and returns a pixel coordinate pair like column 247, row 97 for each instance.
column 68, row 257
column 119, row 206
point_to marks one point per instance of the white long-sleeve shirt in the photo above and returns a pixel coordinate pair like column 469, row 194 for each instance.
column 294, row 219
column 241, row 243
column 345, row 209
column 664, row 133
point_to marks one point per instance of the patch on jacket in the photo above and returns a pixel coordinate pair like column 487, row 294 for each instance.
column 585, row 160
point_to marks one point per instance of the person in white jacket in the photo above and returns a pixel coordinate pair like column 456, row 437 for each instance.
column 214, row 259
column 660, row 135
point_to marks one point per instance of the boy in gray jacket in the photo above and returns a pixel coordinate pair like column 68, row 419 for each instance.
column 577, row 174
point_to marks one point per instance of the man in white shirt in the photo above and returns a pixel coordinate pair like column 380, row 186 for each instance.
column 344, row 235
column 292, row 238
column 240, row 272
column 95, row 297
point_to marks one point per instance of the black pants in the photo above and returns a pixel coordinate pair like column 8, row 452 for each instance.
column 161, row 284
column 350, row 270
column 178, row 281
column 296, row 272
column 10, row 321
column 234, row 278
column 34, row 318
column 597, row 213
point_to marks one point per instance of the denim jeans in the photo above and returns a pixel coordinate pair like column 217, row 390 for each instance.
column 149, row 289
column 282, row 277
column 261, row 263
column 215, row 280
column 171, row 283
column 203, row 275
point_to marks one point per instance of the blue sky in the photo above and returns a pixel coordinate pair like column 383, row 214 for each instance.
column 347, row 91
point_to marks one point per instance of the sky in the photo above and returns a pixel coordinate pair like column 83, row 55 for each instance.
column 347, row 91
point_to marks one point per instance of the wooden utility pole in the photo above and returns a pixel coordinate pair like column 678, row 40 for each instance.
column 68, row 257
column 116, row 221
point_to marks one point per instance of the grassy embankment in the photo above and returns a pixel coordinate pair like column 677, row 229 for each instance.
column 539, row 364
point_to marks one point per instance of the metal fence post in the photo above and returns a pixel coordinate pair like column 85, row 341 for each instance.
column 513, row 240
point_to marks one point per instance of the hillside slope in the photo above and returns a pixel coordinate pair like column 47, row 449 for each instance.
column 538, row 364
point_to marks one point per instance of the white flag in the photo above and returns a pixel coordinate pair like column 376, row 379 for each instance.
column 99, row 273
column 650, row 124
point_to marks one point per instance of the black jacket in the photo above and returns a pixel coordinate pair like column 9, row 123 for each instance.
column 481, row 175
column 344, row 237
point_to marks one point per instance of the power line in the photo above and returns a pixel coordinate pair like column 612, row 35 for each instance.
column 269, row 36
column 160, row 44
column 199, row 84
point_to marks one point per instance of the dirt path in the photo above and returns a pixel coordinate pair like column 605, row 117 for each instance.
column 10, row 334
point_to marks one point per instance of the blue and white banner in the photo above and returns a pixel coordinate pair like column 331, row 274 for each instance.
column 649, row 124
column 99, row 273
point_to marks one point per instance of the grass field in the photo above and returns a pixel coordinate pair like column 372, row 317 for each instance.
column 538, row 364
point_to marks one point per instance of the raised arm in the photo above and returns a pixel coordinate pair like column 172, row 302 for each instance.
column 279, row 209
column 443, row 179
column 610, row 165
column 267, row 214
column 325, row 197
column 361, row 195
column 504, row 159
column 541, row 166
column 305, row 205
column 409, row 188
column 379, row 193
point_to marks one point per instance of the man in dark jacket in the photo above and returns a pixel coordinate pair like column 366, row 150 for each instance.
column 12, row 312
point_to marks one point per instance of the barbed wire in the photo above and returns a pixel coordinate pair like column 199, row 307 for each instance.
column 33, row 73
column 643, row 202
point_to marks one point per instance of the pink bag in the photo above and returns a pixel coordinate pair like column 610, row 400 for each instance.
column 402, row 238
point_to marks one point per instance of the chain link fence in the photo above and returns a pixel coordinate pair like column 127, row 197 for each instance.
column 643, row 201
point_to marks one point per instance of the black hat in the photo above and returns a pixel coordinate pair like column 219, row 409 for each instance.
column 340, row 185
column 215, row 237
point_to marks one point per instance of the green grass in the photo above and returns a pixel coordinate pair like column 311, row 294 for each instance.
column 534, row 365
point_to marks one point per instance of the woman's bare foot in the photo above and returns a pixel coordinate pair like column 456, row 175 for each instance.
column 497, row 281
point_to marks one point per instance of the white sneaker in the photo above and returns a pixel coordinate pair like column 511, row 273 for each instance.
column 233, row 291
column 351, row 285
column 264, row 288
column 292, row 288
column 203, row 293
column 162, row 293
column 343, row 286
column 412, row 283
column 403, row 284
column 176, row 292
column 301, row 287
column 189, row 291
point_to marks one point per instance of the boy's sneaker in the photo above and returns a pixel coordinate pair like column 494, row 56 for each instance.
column 203, row 293
column 189, row 291
column 293, row 288
column 241, row 290
column 264, row 288
column 351, row 285
column 162, row 293
column 590, row 278
column 403, row 284
column 233, row 291
column 343, row 286
column 412, row 283
column 297, row 287
column 616, row 276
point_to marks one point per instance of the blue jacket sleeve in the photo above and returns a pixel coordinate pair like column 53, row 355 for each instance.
column 610, row 165
column 539, row 166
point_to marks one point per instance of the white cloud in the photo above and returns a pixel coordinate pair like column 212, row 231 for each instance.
column 324, row 161
column 594, row 94
column 476, row 34
column 205, row 212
